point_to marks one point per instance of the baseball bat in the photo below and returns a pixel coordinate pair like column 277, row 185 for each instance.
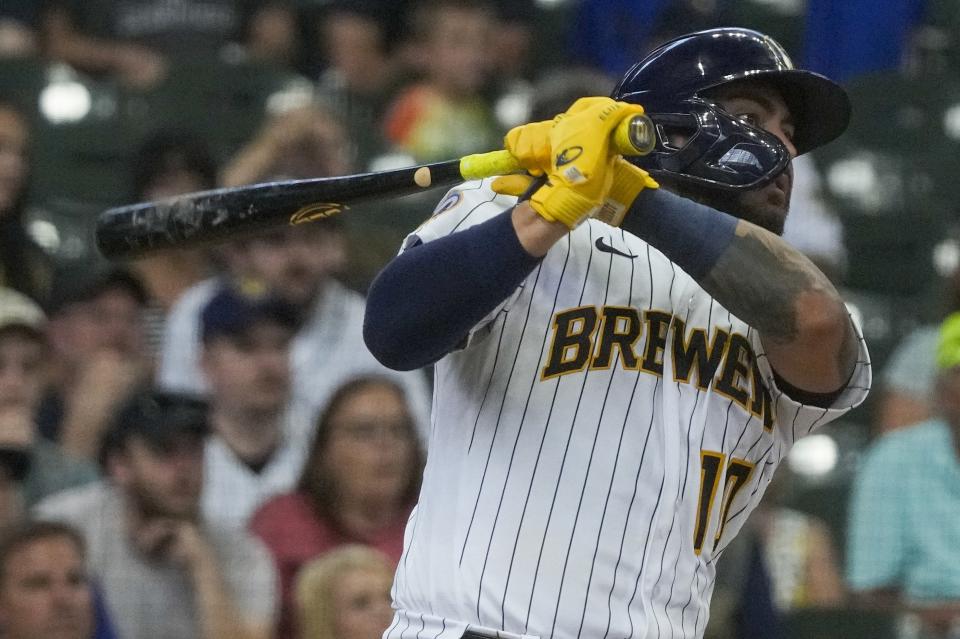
column 206, row 216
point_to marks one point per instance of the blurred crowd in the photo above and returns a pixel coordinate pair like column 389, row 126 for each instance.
column 197, row 443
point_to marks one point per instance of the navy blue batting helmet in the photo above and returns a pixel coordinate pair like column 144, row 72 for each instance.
column 673, row 84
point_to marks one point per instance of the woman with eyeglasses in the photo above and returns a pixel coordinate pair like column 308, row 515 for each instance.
column 359, row 484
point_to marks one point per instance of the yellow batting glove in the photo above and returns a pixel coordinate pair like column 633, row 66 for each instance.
column 515, row 184
column 530, row 144
column 628, row 181
column 582, row 165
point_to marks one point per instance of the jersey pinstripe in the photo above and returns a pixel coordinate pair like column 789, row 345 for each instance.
column 597, row 442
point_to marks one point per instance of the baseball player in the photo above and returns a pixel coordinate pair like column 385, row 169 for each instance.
column 619, row 368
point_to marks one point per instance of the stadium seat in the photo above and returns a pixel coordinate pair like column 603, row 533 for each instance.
column 222, row 101
column 909, row 126
column 886, row 318
column 81, row 156
column 21, row 80
column 845, row 623
column 891, row 254
column 64, row 226
column 890, row 178
column 825, row 496
column 944, row 15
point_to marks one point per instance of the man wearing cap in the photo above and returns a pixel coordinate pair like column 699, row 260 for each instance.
column 905, row 510
column 166, row 571
column 99, row 354
column 297, row 266
column 260, row 436
column 30, row 466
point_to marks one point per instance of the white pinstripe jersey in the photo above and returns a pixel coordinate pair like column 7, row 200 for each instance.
column 594, row 447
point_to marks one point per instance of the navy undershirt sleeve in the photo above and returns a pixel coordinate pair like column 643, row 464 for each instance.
column 424, row 302
column 691, row 235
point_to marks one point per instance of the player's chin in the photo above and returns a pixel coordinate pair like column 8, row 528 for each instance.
column 766, row 208
column 772, row 219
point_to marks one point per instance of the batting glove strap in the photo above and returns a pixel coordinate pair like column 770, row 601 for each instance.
column 628, row 181
column 691, row 235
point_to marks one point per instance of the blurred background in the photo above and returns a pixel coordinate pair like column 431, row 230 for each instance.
column 107, row 102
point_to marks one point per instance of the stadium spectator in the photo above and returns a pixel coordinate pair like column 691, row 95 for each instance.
column 903, row 524
column 98, row 355
column 32, row 467
column 166, row 164
column 517, row 23
column 296, row 264
column 166, row 570
column 360, row 76
column 44, row 588
column 445, row 114
column 358, row 484
column 301, row 142
column 137, row 41
column 18, row 28
column 345, row 595
column 908, row 381
column 799, row 552
column 23, row 264
column 272, row 34
column 556, row 90
column 743, row 603
column 260, row 438
column 813, row 226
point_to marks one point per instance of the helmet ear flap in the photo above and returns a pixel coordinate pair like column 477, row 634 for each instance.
column 707, row 146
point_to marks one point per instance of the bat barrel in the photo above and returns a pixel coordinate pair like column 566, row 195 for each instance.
column 209, row 216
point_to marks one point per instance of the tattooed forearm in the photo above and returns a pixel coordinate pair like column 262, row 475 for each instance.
column 802, row 322
column 764, row 281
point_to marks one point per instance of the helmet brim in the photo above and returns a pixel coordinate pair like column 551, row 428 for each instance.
column 820, row 107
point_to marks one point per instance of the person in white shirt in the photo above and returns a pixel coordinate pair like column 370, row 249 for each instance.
column 260, row 436
column 166, row 570
column 296, row 265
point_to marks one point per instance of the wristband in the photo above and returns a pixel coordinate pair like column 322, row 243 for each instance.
column 691, row 235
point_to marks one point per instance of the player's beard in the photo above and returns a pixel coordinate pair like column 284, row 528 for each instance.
column 767, row 207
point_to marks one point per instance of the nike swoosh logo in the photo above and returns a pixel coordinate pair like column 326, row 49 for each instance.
column 606, row 248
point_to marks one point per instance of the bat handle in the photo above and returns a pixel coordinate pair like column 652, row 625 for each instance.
column 633, row 136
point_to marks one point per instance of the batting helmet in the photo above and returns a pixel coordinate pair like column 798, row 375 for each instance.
column 673, row 84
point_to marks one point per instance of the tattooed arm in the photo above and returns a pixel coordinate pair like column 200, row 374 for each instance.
column 800, row 316
column 752, row 272
column 761, row 279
